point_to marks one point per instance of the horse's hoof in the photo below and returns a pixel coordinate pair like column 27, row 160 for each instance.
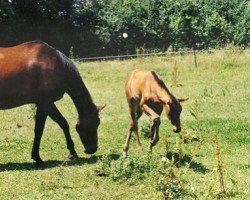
column 39, row 164
column 73, row 156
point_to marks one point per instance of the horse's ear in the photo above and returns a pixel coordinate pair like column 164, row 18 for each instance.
column 181, row 99
column 100, row 108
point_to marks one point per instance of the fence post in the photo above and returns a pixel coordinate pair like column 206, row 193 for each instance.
column 195, row 61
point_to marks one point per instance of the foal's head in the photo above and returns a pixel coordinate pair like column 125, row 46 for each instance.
column 87, row 130
column 173, row 110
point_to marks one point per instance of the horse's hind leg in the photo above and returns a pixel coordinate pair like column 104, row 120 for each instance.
column 41, row 116
column 55, row 115
column 133, row 127
column 138, row 115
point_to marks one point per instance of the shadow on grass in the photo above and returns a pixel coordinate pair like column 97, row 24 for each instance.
column 186, row 159
column 13, row 166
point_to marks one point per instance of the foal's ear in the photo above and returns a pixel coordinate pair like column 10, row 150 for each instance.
column 181, row 99
column 100, row 108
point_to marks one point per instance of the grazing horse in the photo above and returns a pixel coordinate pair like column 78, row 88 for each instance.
column 36, row 73
column 147, row 93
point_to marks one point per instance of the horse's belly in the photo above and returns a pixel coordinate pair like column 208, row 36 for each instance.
column 29, row 87
column 8, row 102
column 12, row 100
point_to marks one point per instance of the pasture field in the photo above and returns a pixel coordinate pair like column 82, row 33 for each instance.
column 218, row 105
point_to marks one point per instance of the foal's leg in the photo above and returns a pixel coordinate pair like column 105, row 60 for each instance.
column 138, row 115
column 157, row 107
column 154, row 115
column 133, row 104
column 154, row 135
column 55, row 115
column 139, row 112
column 41, row 116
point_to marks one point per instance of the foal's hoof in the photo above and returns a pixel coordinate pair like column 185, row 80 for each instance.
column 73, row 156
column 125, row 154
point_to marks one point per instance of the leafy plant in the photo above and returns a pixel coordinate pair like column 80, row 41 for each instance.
column 220, row 166
column 145, row 129
column 169, row 182
column 175, row 76
column 126, row 168
column 71, row 52
column 222, row 192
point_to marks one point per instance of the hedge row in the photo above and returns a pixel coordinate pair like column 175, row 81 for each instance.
column 95, row 28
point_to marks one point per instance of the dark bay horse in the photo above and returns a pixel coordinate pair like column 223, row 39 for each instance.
column 36, row 73
column 147, row 93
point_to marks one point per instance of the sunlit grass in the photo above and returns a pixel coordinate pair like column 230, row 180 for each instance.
column 219, row 94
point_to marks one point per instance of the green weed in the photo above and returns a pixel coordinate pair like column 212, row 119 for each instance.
column 145, row 127
column 32, row 112
column 175, row 76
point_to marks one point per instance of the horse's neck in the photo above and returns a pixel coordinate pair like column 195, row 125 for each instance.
column 165, row 96
column 81, row 97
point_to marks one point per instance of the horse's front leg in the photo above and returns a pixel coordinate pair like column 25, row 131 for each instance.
column 155, row 117
column 41, row 116
column 61, row 121
column 154, row 135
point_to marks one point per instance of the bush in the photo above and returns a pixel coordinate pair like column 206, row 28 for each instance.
column 95, row 28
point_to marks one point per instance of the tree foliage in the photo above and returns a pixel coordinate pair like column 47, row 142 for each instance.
column 95, row 27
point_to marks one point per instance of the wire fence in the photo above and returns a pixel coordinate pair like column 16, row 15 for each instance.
column 128, row 56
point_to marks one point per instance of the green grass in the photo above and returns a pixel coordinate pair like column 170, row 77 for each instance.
column 219, row 96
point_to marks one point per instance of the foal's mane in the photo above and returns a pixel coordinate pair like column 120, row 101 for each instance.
column 160, row 82
column 162, row 85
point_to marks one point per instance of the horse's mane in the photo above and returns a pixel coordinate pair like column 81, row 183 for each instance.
column 160, row 82
column 69, row 66
column 162, row 85
column 76, row 87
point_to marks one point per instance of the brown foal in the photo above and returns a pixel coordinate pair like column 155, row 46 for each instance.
column 147, row 93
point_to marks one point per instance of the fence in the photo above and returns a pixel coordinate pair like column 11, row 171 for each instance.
column 157, row 54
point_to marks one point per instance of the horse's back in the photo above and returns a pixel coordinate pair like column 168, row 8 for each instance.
column 141, row 83
column 29, row 72
column 23, row 56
